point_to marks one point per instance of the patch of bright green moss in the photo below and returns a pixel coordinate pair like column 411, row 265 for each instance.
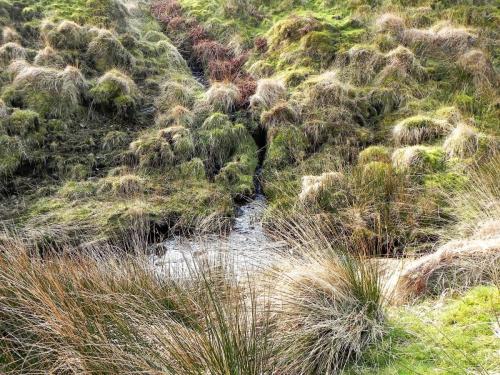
column 451, row 336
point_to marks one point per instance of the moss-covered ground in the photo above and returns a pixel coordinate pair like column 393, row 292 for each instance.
column 452, row 335
column 115, row 111
column 419, row 78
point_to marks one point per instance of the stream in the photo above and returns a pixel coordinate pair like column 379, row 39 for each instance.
column 246, row 247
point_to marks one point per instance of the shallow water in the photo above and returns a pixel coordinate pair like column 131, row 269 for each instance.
column 246, row 247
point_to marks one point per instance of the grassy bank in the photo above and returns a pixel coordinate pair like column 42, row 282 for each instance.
column 321, row 313
column 372, row 127
column 358, row 112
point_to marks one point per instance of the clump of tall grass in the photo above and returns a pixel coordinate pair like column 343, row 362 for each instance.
column 419, row 129
column 115, row 90
column 471, row 256
column 104, row 311
column 106, row 52
column 65, row 87
column 11, row 51
column 330, row 301
column 223, row 96
column 176, row 93
column 177, row 116
column 10, row 35
column 268, row 93
column 66, row 35
column 49, row 57
column 477, row 63
column 464, row 142
column 98, row 309
column 281, row 114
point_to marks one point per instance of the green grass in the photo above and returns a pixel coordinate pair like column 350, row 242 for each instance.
column 453, row 335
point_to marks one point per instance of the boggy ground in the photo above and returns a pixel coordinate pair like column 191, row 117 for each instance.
column 375, row 126
column 98, row 131
column 368, row 115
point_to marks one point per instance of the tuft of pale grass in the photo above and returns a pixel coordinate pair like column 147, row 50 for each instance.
column 313, row 187
column 223, row 96
column 49, row 57
column 174, row 94
column 390, row 22
column 419, row 129
column 401, row 63
column 268, row 92
column 107, row 52
column 417, row 159
column 330, row 301
column 152, row 151
column 10, row 35
column 68, row 84
column 465, row 141
column 177, row 116
column 11, row 51
column 328, row 89
column 116, row 83
column 477, row 63
column 361, row 64
column 457, row 266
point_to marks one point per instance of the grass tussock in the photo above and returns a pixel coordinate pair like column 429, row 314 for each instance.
column 102, row 313
column 107, row 52
column 10, row 35
column 463, row 142
column 223, row 96
column 11, row 51
column 49, row 57
column 65, row 35
column 457, row 265
column 52, row 91
column 101, row 310
column 268, row 93
column 117, row 92
column 419, row 129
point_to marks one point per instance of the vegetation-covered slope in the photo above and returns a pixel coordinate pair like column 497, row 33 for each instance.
column 372, row 128
column 88, row 146
column 366, row 112
column 399, row 99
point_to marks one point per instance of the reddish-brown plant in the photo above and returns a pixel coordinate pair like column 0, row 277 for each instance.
column 209, row 50
column 260, row 44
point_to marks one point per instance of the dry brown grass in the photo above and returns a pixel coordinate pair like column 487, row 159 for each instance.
column 268, row 93
column 223, row 96
column 11, row 51
column 98, row 309
column 457, row 265
column 10, row 35
column 479, row 65
column 102, row 311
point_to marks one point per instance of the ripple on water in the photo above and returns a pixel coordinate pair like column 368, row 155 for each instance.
column 247, row 246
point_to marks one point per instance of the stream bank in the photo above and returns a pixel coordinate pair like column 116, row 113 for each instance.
column 247, row 243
